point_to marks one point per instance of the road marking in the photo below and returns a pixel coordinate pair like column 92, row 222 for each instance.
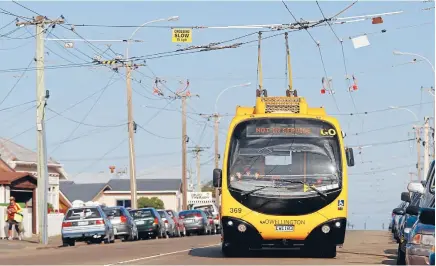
column 161, row 255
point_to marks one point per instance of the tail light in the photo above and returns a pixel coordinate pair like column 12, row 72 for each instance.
column 99, row 222
column 66, row 224
column 166, row 221
column 156, row 221
column 123, row 219
column 198, row 215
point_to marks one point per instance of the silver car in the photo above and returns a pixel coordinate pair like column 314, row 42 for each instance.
column 86, row 224
column 123, row 223
column 170, row 225
column 195, row 221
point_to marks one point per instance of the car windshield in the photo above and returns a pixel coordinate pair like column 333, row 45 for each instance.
column 188, row 214
column 140, row 214
column 265, row 151
column 204, row 207
column 170, row 214
column 82, row 213
column 115, row 212
column 162, row 214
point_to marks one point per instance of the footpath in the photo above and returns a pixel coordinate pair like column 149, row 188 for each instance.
column 10, row 246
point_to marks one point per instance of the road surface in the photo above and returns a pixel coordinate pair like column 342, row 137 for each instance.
column 361, row 247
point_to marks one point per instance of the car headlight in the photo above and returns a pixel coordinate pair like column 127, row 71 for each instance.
column 420, row 239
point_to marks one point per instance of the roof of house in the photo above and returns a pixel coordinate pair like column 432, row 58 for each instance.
column 84, row 192
column 146, row 184
column 6, row 178
column 11, row 151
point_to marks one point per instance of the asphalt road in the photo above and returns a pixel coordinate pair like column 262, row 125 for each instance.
column 361, row 247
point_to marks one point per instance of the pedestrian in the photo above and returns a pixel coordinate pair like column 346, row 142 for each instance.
column 14, row 217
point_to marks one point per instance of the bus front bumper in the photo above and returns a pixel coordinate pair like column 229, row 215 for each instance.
column 233, row 236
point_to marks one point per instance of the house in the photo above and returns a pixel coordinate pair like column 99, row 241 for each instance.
column 20, row 185
column 22, row 160
column 116, row 192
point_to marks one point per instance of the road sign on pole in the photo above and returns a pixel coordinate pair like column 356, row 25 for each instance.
column 182, row 35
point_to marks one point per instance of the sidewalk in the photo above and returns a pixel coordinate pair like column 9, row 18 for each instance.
column 7, row 246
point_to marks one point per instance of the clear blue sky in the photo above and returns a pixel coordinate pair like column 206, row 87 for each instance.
column 380, row 84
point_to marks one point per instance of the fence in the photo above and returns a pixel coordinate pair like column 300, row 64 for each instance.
column 54, row 223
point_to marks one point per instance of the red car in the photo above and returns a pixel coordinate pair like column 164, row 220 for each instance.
column 181, row 230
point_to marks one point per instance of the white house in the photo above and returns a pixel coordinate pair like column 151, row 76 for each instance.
column 23, row 160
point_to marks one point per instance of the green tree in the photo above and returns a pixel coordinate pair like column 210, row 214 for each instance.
column 153, row 202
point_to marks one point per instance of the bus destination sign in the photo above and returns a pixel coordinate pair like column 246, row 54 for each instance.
column 274, row 130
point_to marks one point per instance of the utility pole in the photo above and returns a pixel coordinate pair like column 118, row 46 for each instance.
column 426, row 146
column 41, row 97
column 418, row 149
column 197, row 150
column 185, row 140
column 131, row 129
column 216, row 118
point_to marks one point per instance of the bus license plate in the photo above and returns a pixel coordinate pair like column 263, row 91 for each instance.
column 285, row 228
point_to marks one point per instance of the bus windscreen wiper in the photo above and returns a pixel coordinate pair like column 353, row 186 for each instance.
column 252, row 191
column 306, row 184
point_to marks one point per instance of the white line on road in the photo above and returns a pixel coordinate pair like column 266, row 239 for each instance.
column 161, row 255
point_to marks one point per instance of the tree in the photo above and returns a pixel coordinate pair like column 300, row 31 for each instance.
column 153, row 202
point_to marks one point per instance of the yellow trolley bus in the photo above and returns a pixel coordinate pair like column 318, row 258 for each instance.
column 284, row 179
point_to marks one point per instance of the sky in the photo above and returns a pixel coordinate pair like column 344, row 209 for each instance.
column 383, row 79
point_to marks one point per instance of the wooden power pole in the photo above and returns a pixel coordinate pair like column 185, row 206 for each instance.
column 183, row 96
column 197, row 150
column 418, row 149
column 41, row 101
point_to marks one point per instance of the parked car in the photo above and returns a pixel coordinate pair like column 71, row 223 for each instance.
column 170, row 225
column 149, row 223
column 421, row 239
column 406, row 222
column 210, row 219
column 397, row 213
column 86, row 224
column 123, row 223
column 195, row 221
column 431, row 257
column 215, row 212
column 423, row 198
column 180, row 226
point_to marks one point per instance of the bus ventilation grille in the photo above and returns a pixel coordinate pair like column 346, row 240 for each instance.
column 282, row 104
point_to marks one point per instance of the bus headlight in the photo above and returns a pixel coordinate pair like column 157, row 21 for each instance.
column 325, row 229
column 242, row 228
column 230, row 223
column 338, row 224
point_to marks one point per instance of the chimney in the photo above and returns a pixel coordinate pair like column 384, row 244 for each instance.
column 112, row 169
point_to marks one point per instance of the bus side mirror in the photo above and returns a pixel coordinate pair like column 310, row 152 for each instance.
column 350, row 156
column 217, row 174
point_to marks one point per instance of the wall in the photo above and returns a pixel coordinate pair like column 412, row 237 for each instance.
column 53, row 189
column 170, row 200
column 54, row 223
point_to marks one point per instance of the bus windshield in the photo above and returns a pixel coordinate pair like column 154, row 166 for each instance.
column 269, row 152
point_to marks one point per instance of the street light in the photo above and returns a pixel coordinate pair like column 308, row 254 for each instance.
column 417, row 55
column 131, row 123
column 410, row 111
column 231, row 87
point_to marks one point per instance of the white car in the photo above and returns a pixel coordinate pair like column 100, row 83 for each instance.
column 215, row 212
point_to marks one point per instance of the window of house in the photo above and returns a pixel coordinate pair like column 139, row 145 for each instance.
column 124, row 203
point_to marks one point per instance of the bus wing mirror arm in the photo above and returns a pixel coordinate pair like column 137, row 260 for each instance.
column 350, row 156
column 217, row 177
